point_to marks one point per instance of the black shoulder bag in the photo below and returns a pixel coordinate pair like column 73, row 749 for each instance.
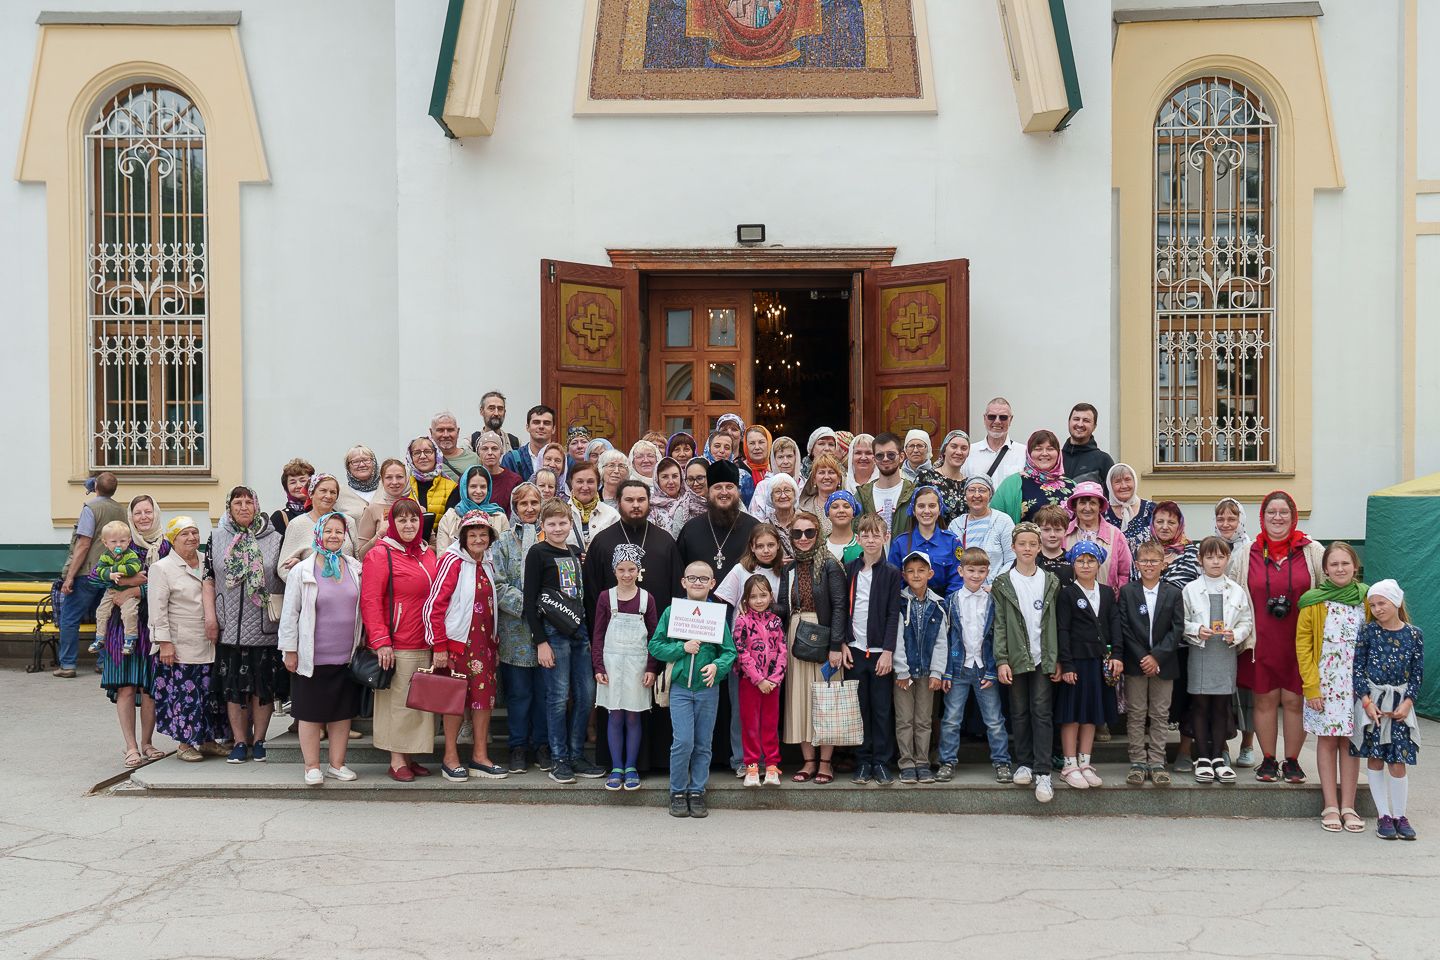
column 365, row 666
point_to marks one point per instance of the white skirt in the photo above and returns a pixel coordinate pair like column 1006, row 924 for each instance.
column 626, row 652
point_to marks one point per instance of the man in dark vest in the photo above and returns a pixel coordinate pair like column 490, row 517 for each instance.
column 81, row 595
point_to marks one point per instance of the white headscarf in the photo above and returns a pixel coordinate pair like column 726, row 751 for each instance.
column 1125, row 510
column 1390, row 590
column 1240, row 535
column 851, row 484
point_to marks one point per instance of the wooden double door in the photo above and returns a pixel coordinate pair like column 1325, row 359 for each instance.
column 624, row 351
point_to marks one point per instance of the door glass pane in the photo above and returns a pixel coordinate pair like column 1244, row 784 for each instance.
column 722, row 381
column 722, row 327
column 679, row 381
column 677, row 328
column 675, row 425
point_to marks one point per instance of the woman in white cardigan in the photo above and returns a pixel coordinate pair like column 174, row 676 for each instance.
column 319, row 630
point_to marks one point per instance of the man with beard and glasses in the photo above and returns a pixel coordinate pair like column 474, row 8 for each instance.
column 660, row 573
column 492, row 408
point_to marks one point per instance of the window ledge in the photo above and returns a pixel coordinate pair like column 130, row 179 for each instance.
column 162, row 479
column 1212, row 474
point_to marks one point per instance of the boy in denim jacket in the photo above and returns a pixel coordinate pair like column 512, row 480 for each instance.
column 920, row 659
column 970, row 668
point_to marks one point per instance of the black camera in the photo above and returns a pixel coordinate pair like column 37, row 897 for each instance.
column 1279, row 607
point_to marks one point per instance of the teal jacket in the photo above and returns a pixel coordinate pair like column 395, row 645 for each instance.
column 686, row 672
column 1012, row 640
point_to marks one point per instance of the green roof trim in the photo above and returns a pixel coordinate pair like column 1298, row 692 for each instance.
column 448, row 39
column 1067, row 60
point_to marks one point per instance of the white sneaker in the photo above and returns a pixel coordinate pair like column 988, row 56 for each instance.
column 1246, row 758
column 341, row 773
column 752, row 775
column 1043, row 791
column 313, row 777
column 1024, row 776
column 772, row 776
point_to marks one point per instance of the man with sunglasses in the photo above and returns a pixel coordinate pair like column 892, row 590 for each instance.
column 996, row 456
column 888, row 493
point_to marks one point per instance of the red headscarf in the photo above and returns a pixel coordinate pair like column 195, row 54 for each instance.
column 415, row 548
column 1293, row 540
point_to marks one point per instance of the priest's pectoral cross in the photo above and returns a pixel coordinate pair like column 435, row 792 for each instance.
column 719, row 560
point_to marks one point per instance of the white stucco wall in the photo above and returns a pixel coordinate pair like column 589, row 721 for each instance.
column 1427, row 248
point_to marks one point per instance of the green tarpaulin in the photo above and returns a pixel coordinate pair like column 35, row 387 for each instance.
column 1400, row 542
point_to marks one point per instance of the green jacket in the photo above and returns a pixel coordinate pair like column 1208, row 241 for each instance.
column 900, row 522
column 1012, row 640
column 686, row 672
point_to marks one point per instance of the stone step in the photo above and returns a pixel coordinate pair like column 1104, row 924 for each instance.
column 974, row 791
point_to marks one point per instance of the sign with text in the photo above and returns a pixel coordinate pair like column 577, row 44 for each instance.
column 697, row 620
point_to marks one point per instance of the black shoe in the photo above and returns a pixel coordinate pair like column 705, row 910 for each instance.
column 544, row 760
column 561, row 773
column 945, row 773
column 679, row 805
column 863, row 774
column 518, row 762
column 1290, row 771
column 1268, row 771
column 883, row 776
column 585, row 769
column 697, row 805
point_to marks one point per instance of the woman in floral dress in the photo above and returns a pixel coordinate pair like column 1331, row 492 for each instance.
column 1330, row 618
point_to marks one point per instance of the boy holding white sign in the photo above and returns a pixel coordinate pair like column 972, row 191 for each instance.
column 698, row 667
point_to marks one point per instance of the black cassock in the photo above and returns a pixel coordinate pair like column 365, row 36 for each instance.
column 660, row 574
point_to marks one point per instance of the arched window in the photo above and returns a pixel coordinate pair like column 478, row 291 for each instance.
column 1214, row 277
column 146, row 283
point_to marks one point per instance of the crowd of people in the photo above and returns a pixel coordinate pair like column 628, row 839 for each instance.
column 1030, row 577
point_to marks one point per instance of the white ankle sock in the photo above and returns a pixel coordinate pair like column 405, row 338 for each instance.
column 1084, row 759
column 1070, row 762
column 1399, row 793
column 1376, row 779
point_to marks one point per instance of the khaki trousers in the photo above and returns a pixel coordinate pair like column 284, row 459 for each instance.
column 914, row 710
column 1147, row 701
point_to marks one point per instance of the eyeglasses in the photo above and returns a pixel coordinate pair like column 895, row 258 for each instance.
column 916, row 445
column 997, row 417
column 697, row 581
column 808, row 533
column 695, row 481
column 887, row 456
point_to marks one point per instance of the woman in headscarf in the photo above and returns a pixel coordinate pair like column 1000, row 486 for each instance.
column 473, row 494
column 1283, row 564
column 861, row 463
column 824, row 478
column 915, row 454
column 596, row 447
column 1042, row 481
column 520, row 671
column 784, row 458
column 947, row 476
column 694, row 500
column 319, row 631
column 462, row 622
column 295, row 481
column 428, row 486
column 490, row 448
column 754, row 461
column 577, row 441
column 1182, row 557
column 669, row 488
column 1087, row 506
column 1127, row 510
column 183, row 632
column 644, row 456
column 680, row 446
column 843, row 439
column 840, row 510
column 395, row 582
column 822, row 441
column 241, row 561
column 362, row 480
column 784, row 505
column 300, row 534
column 394, row 484
column 614, row 470
column 128, row 679
column 984, row 528
column 812, row 588
column 733, row 427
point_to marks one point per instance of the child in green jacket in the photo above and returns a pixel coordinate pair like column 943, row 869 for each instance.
column 694, row 697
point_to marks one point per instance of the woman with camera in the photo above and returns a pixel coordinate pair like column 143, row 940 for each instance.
column 1280, row 565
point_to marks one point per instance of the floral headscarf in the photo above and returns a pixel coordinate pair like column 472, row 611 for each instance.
column 152, row 538
column 466, row 505
column 331, row 562
column 1052, row 480
column 244, row 562
column 422, row 475
column 1181, row 541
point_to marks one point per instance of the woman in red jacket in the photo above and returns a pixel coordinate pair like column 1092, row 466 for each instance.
column 462, row 627
column 394, row 584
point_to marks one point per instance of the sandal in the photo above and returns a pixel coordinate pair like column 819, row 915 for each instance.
column 804, row 775
column 133, row 758
column 824, row 778
column 1353, row 822
column 1330, row 819
column 152, row 752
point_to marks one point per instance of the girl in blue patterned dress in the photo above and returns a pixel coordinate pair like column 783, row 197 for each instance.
column 1389, row 665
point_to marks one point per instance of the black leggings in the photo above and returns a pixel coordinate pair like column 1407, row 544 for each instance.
column 1211, row 723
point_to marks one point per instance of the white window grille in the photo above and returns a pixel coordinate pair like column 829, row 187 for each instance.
column 1214, row 277
column 148, row 380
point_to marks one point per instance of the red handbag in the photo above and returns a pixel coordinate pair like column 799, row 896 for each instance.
column 442, row 692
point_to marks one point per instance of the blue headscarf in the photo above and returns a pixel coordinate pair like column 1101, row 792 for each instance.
column 848, row 497
column 333, row 564
column 1084, row 548
column 466, row 504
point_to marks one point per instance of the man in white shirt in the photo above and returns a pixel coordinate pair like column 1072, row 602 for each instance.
column 997, row 456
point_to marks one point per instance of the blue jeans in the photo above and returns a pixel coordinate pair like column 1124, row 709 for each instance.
column 572, row 678
column 81, row 604
column 525, row 706
column 692, row 715
column 989, row 701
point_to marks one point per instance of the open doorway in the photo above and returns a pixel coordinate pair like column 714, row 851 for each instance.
column 802, row 374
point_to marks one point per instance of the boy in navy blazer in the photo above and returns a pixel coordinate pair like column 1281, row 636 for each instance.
column 1152, row 623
